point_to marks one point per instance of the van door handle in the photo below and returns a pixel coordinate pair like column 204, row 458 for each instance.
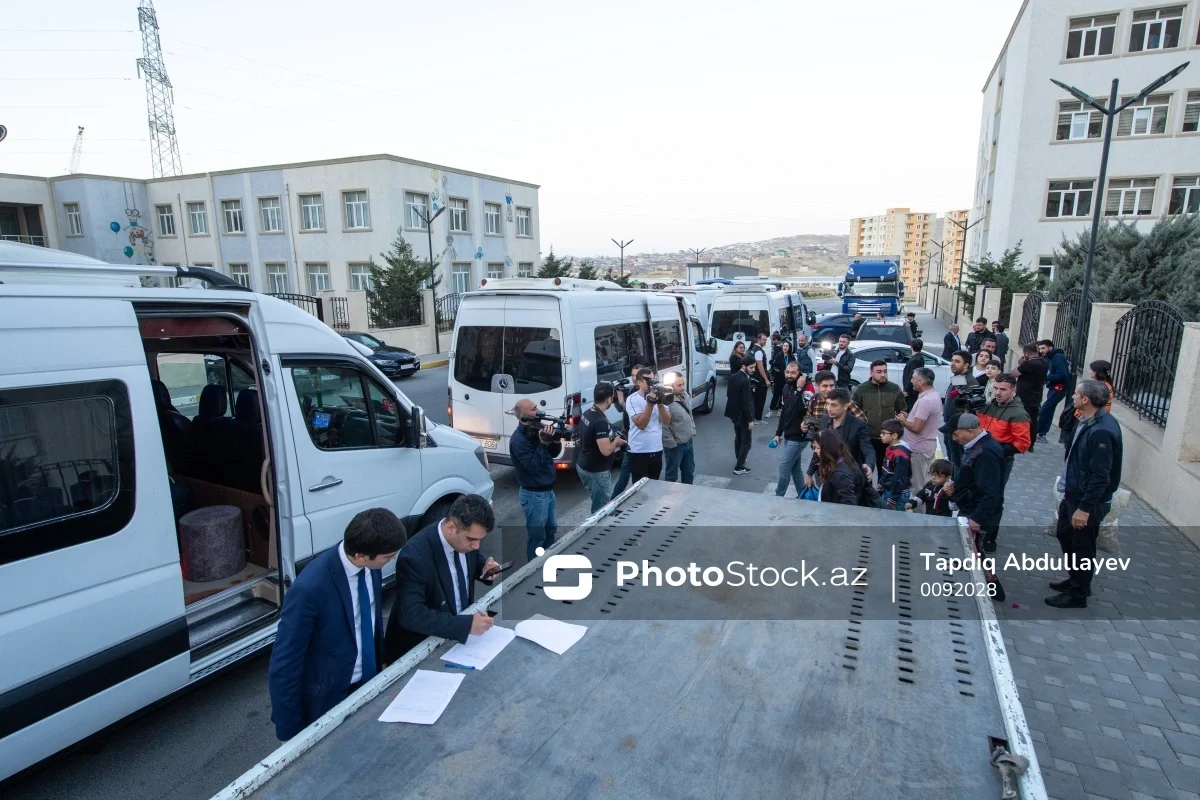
column 328, row 483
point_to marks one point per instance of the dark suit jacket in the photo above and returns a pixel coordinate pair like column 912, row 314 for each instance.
column 949, row 345
column 856, row 433
column 315, row 648
column 739, row 398
column 424, row 604
column 915, row 362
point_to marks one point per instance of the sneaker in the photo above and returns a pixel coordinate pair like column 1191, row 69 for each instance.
column 741, row 470
column 1065, row 600
column 1041, row 439
column 767, row 415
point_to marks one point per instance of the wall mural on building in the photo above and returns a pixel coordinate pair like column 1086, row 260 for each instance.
column 508, row 201
column 479, row 254
column 141, row 243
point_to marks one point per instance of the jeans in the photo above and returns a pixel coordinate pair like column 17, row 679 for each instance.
column 1046, row 412
column 1080, row 542
column 645, row 465
column 598, row 485
column 791, row 467
column 541, row 525
column 623, row 478
column 681, row 462
column 741, row 442
column 900, row 499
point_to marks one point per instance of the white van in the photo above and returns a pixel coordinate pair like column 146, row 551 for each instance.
column 551, row 340
column 102, row 606
column 742, row 311
column 702, row 297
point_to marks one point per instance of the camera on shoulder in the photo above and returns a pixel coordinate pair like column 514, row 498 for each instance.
column 534, row 424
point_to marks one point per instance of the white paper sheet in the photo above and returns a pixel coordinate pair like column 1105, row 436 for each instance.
column 423, row 698
column 550, row 633
column 479, row 651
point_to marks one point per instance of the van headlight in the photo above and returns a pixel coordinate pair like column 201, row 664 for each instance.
column 482, row 457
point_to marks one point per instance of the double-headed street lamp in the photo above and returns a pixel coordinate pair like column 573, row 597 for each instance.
column 962, row 259
column 423, row 215
column 1110, row 112
column 941, row 265
column 622, row 245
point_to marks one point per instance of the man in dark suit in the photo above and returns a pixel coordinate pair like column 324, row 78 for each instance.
column 855, row 432
column 951, row 343
column 331, row 629
column 435, row 579
column 739, row 408
column 915, row 362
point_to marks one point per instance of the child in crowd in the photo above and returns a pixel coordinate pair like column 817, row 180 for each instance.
column 994, row 368
column 895, row 477
column 936, row 502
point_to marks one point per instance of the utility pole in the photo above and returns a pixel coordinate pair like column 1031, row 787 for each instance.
column 160, row 97
column 423, row 215
column 622, row 245
column 941, row 263
column 696, row 252
column 76, row 153
column 962, row 259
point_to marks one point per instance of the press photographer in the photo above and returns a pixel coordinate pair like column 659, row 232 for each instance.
column 598, row 444
column 531, row 448
column 648, row 413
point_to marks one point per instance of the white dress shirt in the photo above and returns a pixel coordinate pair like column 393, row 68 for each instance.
column 451, row 555
column 352, row 576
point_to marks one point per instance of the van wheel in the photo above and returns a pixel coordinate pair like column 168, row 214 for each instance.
column 710, row 398
column 436, row 513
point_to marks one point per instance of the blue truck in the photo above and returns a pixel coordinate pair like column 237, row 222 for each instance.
column 872, row 285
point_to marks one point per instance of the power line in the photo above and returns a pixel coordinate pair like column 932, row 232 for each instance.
column 69, row 30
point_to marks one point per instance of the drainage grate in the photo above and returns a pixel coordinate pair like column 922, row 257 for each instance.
column 906, row 661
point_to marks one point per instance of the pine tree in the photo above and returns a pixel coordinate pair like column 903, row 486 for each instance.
column 394, row 296
column 555, row 267
column 1007, row 274
column 625, row 280
column 587, row 270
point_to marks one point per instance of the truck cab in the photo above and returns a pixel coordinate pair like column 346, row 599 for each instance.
column 872, row 286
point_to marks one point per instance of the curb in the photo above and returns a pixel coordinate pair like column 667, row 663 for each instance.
column 434, row 364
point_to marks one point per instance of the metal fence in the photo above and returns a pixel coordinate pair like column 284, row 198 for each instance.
column 446, row 309
column 1069, row 307
column 340, row 308
column 1145, row 356
column 1031, row 317
column 307, row 302
column 397, row 313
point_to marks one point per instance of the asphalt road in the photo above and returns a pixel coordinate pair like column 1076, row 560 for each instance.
column 193, row 746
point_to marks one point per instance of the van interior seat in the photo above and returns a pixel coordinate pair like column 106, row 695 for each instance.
column 176, row 428
column 213, row 404
column 246, row 410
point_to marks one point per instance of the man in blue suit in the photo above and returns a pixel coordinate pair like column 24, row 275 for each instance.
column 435, row 579
column 331, row 629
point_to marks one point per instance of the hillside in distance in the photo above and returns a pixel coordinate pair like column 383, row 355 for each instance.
column 807, row 255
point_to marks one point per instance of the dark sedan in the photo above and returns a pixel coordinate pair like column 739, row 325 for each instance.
column 829, row 327
column 395, row 362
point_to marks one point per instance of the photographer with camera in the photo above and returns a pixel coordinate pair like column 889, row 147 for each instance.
column 533, row 467
column 598, row 444
column 648, row 413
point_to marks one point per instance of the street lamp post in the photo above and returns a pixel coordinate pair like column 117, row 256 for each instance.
column 622, row 245
column 1110, row 112
column 941, row 264
column 962, row 259
column 423, row 215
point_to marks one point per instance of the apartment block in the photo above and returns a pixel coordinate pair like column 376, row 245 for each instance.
column 291, row 228
column 900, row 233
column 1039, row 151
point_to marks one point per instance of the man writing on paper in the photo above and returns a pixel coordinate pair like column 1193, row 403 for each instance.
column 435, row 579
column 329, row 632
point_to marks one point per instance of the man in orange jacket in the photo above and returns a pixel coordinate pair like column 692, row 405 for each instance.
column 1007, row 421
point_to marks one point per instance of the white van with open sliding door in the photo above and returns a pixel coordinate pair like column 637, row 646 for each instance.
column 126, row 410
column 551, row 340
column 742, row 311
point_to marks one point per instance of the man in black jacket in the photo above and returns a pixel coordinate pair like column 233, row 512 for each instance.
column 790, row 432
column 533, row 468
column 1092, row 474
column 978, row 334
column 844, row 360
column 856, row 433
column 951, row 343
column 739, row 408
column 915, row 362
column 978, row 485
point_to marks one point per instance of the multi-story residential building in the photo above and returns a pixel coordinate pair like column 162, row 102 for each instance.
column 949, row 233
column 299, row 228
column 900, row 232
column 1039, row 147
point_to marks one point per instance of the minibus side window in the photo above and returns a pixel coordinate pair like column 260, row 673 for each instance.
column 343, row 408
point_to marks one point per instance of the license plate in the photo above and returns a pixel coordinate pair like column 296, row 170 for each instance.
column 486, row 443
column 722, row 365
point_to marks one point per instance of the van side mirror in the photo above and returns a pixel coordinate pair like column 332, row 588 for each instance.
column 416, row 427
column 812, row 318
column 712, row 345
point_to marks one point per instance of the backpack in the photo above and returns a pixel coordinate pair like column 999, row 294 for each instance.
column 868, row 497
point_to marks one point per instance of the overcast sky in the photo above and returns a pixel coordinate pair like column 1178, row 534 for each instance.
column 677, row 124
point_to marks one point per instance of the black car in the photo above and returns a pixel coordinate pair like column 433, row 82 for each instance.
column 829, row 327
column 392, row 361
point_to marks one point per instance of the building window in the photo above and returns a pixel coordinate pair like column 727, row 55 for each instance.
column 1069, row 198
column 166, row 220
column 1144, row 118
column 1185, row 195
column 277, row 279
column 1131, row 197
column 360, row 278
column 491, row 218
column 240, row 273
column 460, row 276
column 1191, row 113
column 233, row 216
column 417, row 206
column 1046, row 268
column 458, row 216
column 74, row 219
column 272, row 214
column 1156, row 29
column 1077, row 122
column 525, row 269
column 357, row 213
column 495, row 271
column 312, row 212
column 318, row 278
column 198, row 219
column 1091, row 36
column 524, row 222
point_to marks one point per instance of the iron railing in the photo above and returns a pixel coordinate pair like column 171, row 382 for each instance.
column 305, row 301
column 1031, row 318
column 399, row 313
column 1065, row 326
column 1146, row 350
column 12, row 237
column 340, row 310
column 446, row 310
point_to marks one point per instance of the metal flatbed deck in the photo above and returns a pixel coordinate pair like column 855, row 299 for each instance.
column 702, row 692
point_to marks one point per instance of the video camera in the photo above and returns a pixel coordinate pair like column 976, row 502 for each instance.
column 970, row 399
column 535, row 423
column 660, row 392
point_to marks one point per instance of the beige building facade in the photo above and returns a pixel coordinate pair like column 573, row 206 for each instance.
column 900, row 233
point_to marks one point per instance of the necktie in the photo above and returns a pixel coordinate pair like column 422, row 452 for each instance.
column 366, row 628
column 463, row 595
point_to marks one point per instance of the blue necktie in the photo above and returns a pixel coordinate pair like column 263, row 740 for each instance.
column 463, row 596
column 366, row 628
